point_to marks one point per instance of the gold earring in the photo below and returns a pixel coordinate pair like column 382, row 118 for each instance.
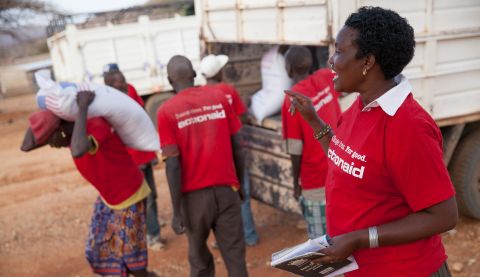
column 364, row 72
column 63, row 134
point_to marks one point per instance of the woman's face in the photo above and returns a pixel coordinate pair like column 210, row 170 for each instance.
column 343, row 62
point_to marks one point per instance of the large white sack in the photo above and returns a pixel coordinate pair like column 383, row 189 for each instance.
column 128, row 119
column 268, row 100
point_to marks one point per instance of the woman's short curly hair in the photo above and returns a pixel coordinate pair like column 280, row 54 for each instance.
column 384, row 34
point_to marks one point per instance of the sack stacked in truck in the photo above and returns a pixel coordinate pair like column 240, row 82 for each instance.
column 268, row 101
column 127, row 118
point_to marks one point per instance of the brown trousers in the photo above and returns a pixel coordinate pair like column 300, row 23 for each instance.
column 218, row 209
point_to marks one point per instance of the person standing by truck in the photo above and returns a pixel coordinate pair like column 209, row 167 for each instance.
column 389, row 195
column 199, row 139
column 309, row 163
column 113, row 77
column 211, row 67
column 116, row 244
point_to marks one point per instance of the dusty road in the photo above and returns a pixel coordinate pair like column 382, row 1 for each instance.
column 45, row 208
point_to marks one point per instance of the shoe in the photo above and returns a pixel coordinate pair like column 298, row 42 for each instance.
column 155, row 243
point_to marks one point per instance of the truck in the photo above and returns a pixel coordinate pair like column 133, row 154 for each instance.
column 445, row 71
column 445, row 75
column 141, row 49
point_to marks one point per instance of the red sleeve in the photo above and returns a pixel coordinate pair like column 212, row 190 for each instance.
column 99, row 128
column 234, row 122
column 166, row 129
column 141, row 157
column 290, row 124
column 237, row 103
column 132, row 92
column 415, row 162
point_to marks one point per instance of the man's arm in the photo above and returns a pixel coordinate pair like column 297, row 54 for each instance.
column 296, row 161
column 80, row 143
column 295, row 149
column 238, row 159
column 174, row 179
column 243, row 117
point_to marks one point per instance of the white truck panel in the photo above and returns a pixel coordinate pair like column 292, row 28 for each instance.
column 263, row 21
column 453, row 15
column 141, row 49
column 299, row 21
column 271, row 21
column 447, row 34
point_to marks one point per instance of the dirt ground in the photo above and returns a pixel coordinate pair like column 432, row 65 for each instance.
column 45, row 208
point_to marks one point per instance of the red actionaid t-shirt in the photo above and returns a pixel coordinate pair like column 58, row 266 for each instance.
column 110, row 169
column 381, row 169
column 132, row 92
column 139, row 157
column 200, row 122
column 319, row 87
column 232, row 97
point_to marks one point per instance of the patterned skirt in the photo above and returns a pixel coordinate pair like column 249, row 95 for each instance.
column 116, row 241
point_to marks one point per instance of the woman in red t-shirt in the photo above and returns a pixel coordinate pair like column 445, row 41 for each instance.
column 389, row 195
column 116, row 243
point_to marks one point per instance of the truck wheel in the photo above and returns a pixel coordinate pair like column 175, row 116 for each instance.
column 154, row 102
column 465, row 172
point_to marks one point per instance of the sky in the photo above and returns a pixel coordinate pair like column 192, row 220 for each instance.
column 73, row 7
column 85, row 6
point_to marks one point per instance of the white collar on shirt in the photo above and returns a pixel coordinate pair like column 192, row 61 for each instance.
column 391, row 100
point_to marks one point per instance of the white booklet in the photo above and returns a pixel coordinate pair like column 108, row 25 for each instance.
column 299, row 260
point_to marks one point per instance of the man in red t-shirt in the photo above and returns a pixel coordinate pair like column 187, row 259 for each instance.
column 114, row 77
column 199, row 137
column 116, row 242
column 309, row 162
column 211, row 67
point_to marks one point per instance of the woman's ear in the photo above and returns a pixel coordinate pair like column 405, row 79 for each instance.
column 369, row 61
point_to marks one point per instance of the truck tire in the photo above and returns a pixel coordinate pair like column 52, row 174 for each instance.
column 154, row 102
column 465, row 173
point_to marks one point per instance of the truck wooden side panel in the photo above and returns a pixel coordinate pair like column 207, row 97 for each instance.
column 269, row 168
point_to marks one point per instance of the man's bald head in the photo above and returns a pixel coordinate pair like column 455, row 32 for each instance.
column 298, row 60
column 180, row 70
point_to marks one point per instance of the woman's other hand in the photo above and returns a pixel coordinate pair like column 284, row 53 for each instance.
column 341, row 247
